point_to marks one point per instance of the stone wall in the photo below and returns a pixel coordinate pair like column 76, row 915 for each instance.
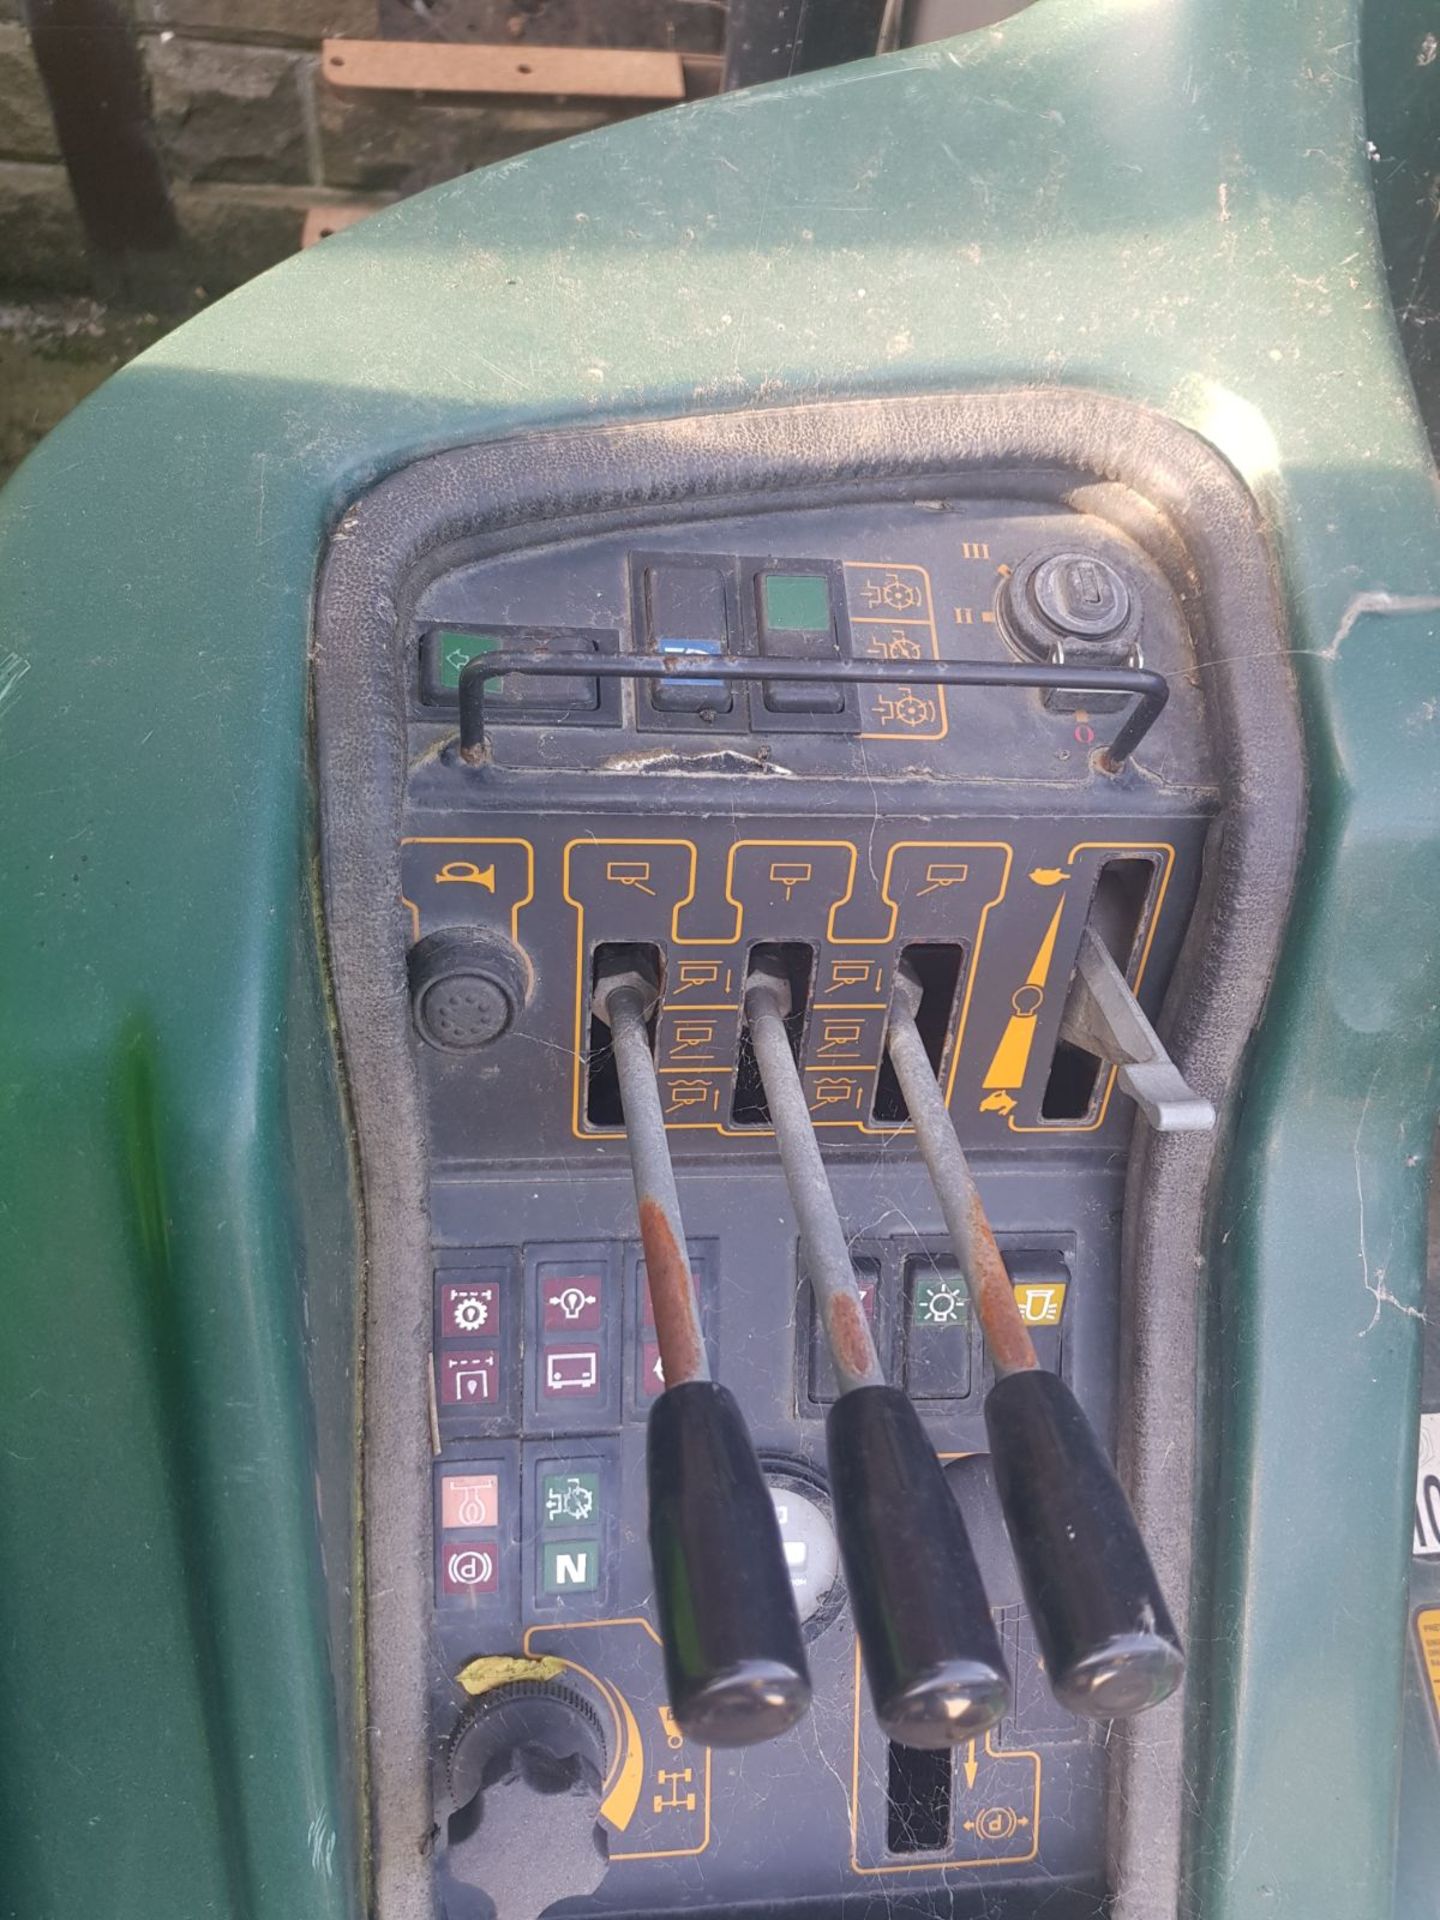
column 251, row 136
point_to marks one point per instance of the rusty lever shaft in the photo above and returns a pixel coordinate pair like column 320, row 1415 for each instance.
column 822, row 1238
column 991, row 1294
column 622, row 1001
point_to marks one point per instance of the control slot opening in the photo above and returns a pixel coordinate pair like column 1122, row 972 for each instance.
column 602, row 1084
column 1117, row 915
column 940, row 966
column 749, row 1107
column 917, row 1799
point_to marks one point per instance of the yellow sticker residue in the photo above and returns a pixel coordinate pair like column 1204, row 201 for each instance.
column 504, row 1669
column 1427, row 1632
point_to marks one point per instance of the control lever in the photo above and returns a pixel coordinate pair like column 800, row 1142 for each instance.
column 1108, row 1642
column 937, row 1676
column 734, row 1656
column 1103, row 1017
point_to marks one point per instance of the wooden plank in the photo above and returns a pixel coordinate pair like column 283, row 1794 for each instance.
column 322, row 221
column 592, row 73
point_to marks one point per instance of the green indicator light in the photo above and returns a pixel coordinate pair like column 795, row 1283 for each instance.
column 797, row 602
column 570, row 1498
column 571, row 1566
column 457, row 650
column 940, row 1302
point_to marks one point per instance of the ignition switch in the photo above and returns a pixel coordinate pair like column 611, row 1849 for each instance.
column 1073, row 606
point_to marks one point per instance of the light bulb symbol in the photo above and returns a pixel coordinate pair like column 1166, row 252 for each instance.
column 943, row 1306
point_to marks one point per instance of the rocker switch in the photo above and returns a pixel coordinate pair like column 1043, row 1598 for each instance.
column 685, row 612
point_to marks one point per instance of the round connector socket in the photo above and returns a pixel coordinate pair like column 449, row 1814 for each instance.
column 467, row 986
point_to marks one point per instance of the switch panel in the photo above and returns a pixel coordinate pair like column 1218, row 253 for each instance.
column 848, row 824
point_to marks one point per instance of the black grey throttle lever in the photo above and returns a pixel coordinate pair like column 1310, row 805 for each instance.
column 1104, row 1630
column 734, row 1655
column 932, row 1656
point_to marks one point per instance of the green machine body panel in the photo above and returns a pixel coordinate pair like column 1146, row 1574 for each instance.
column 1168, row 203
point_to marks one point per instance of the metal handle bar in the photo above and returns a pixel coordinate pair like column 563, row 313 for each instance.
column 1150, row 689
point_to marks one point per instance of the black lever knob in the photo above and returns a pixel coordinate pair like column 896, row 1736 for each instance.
column 734, row 1653
column 932, row 1656
column 1109, row 1645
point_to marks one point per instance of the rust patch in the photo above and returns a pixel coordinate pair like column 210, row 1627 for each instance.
column 850, row 1341
column 993, row 1297
column 672, row 1295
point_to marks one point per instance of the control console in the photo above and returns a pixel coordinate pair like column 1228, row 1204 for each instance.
column 970, row 824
